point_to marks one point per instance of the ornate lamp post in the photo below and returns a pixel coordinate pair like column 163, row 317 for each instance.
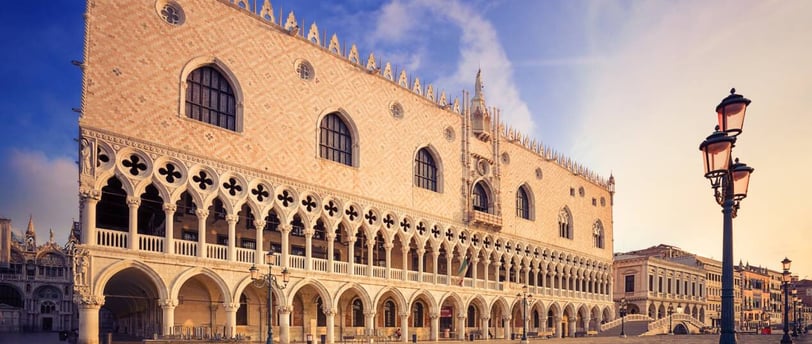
column 670, row 319
column 786, row 278
column 524, row 295
column 269, row 280
column 729, row 181
column 623, row 307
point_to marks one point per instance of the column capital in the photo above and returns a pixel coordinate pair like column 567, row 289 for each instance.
column 434, row 315
column 133, row 201
column 285, row 228
column 404, row 314
column 167, row 303
column 388, row 245
column 260, row 224
column 486, row 318
column 230, row 218
column 231, row 306
column 88, row 194
column 369, row 314
column 284, row 310
column 201, row 213
column 84, row 299
column 170, row 207
column 421, row 251
column 507, row 317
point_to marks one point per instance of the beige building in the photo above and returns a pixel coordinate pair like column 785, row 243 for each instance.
column 652, row 286
column 212, row 132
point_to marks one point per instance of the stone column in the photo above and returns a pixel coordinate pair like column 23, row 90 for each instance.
column 132, row 204
column 485, row 266
column 435, row 257
column 420, row 253
column 284, row 325
column 526, row 272
column 89, row 199
column 369, row 323
column 89, row 306
column 572, row 327
column 331, row 316
column 558, row 328
column 331, row 237
column 486, row 330
column 202, row 214
column 370, row 251
column 461, row 325
column 168, row 307
column 232, row 237
column 507, row 319
column 448, row 258
column 404, row 327
column 388, row 247
column 474, row 271
column 435, row 326
column 351, row 255
column 169, row 228
column 259, row 251
column 309, row 248
column 404, row 252
column 231, row 319
column 285, row 230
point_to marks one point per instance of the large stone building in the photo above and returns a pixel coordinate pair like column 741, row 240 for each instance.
column 36, row 292
column 212, row 132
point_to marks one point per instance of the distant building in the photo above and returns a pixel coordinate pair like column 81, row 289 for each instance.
column 36, row 283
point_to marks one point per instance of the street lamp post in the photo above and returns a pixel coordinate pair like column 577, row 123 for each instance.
column 670, row 319
column 729, row 180
column 524, row 295
column 269, row 280
column 786, row 278
column 623, row 307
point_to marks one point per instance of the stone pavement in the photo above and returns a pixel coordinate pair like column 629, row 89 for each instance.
column 52, row 338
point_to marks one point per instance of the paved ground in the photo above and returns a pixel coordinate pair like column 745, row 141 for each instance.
column 52, row 338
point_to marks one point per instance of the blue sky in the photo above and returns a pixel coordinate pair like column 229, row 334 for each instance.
column 622, row 87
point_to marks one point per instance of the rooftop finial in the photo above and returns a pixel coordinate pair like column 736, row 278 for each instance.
column 732, row 90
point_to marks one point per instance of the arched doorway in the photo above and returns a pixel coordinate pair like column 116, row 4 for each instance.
column 130, row 308
column 680, row 329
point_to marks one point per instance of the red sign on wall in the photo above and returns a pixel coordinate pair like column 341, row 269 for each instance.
column 446, row 312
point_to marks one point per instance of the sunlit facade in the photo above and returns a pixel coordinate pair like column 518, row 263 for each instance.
column 213, row 132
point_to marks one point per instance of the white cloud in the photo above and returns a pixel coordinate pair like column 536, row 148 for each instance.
column 43, row 187
column 479, row 47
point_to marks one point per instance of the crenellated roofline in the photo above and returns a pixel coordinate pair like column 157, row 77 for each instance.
column 291, row 26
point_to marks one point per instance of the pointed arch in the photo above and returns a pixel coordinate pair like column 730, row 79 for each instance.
column 565, row 226
column 338, row 138
column 428, row 169
column 482, row 197
column 597, row 234
column 202, row 76
column 525, row 203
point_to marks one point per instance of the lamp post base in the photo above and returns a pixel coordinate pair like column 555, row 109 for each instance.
column 786, row 339
column 622, row 335
column 524, row 341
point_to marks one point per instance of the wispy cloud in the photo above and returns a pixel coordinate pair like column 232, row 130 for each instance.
column 41, row 186
column 412, row 23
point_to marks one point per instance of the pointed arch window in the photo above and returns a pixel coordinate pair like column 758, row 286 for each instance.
column 358, row 313
column 389, row 314
column 522, row 203
column 335, row 140
column 425, row 170
column 597, row 234
column 417, row 317
column 565, row 224
column 481, row 202
column 210, row 98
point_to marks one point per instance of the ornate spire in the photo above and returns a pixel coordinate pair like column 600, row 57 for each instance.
column 30, row 235
column 51, row 239
column 478, row 102
column 30, row 230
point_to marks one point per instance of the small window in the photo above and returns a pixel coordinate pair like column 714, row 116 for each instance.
column 581, row 191
column 572, row 191
column 171, row 13
column 396, row 110
column 304, row 70
column 630, row 283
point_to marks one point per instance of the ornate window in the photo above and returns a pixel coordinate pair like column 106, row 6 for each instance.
column 171, row 13
column 389, row 314
column 597, row 234
column 481, row 202
column 565, row 223
column 335, row 141
column 417, row 317
column 210, row 98
column 425, row 170
column 357, row 313
column 523, row 203
column 304, row 70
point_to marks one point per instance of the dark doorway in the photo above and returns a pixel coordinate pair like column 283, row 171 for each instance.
column 47, row 324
